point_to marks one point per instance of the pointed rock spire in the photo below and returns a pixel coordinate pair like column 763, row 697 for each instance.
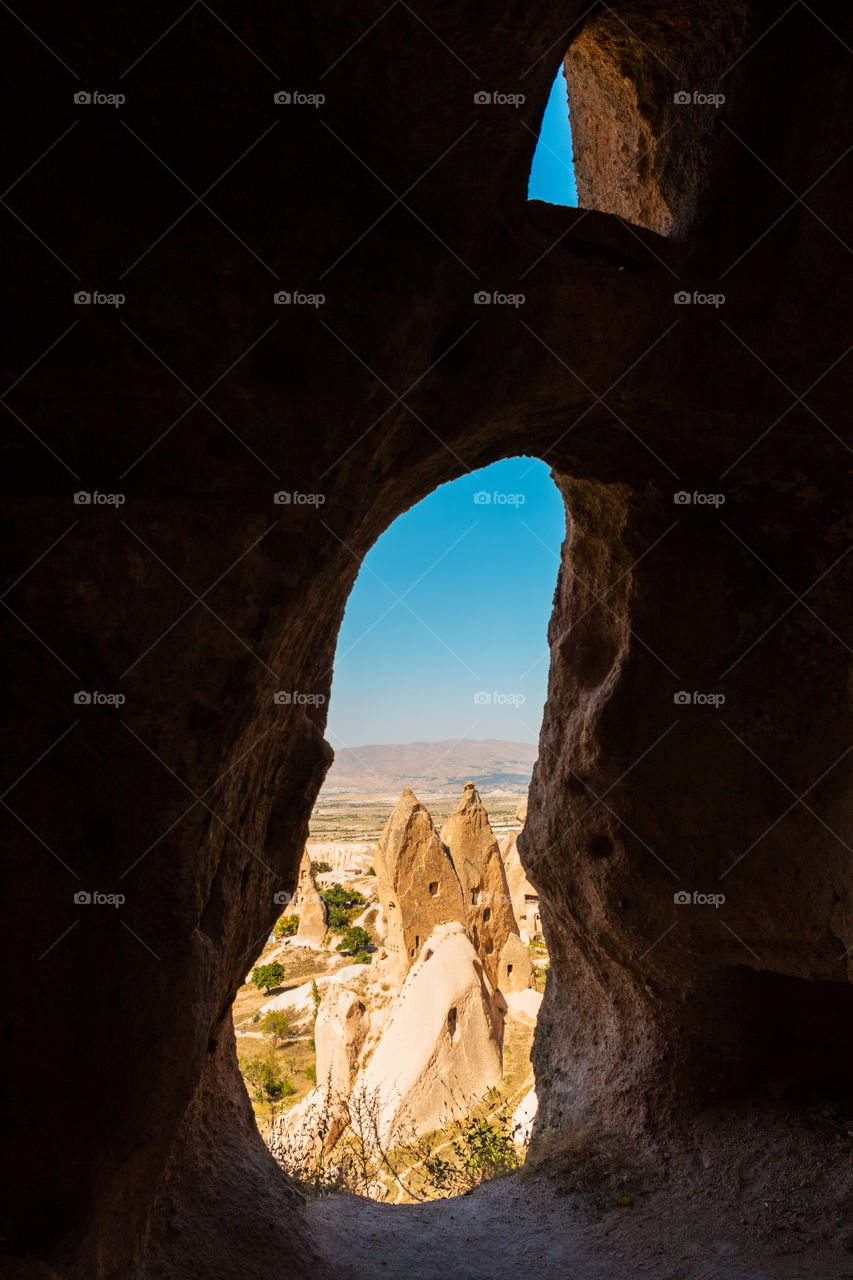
column 476, row 857
column 416, row 881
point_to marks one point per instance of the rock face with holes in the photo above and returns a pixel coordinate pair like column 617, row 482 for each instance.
column 441, row 1050
column 416, row 881
column 488, row 909
column 515, row 971
column 434, row 1047
column 311, row 907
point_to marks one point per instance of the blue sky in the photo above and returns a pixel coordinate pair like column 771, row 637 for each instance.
column 552, row 176
column 476, row 580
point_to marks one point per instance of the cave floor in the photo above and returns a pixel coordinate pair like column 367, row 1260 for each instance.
column 530, row 1227
column 753, row 1193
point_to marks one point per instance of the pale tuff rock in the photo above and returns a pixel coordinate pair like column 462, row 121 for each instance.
column 339, row 1034
column 417, row 1036
column 523, row 1118
column 441, row 1049
column 515, row 972
column 312, row 909
column 316, row 1123
column 350, row 858
column 416, row 881
column 524, row 897
column 524, row 1005
column 476, row 857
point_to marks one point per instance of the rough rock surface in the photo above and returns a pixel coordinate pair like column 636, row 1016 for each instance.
column 515, row 972
column 416, row 881
column 442, row 1048
column 311, row 907
column 488, row 909
column 340, row 1031
column 201, row 598
column 339, row 1034
column 524, row 896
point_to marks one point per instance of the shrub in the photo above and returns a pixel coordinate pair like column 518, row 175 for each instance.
column 311, row 1073
column 319, row 868
column 371, row 871
column 316, row 997
column 263, row 1076
column 267, row 976
column 277, row 1025
column 342, row 906
column 447, row 1162
column 355, row 943
column 286, row 926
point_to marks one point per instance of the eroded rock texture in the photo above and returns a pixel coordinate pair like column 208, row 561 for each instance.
column 201, row 597
column 489, row 917
column 312, row 908
column 416, row 881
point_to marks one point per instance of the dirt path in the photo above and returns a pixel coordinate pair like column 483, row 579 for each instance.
column 525, row 1229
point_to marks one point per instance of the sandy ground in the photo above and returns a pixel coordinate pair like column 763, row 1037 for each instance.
column 513, row 1228
column 750, row 1196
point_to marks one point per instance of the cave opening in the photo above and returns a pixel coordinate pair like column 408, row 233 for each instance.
column 552, row 172
column 413, row 916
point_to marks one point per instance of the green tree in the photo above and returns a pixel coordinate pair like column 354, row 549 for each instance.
column 286, row 926
column 263, row 1076
column 354, row 942
column 342, row 905
column 316, row 997
column 318, row 868
column 267, row 976
column 277, row 1025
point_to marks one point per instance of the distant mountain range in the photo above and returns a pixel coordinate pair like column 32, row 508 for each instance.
column 436, row 768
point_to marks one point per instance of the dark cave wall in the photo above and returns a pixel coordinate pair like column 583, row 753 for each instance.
column 192, row 798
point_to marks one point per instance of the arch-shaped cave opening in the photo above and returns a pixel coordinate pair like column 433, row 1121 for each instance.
column 439, row 679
